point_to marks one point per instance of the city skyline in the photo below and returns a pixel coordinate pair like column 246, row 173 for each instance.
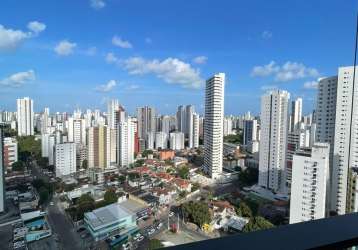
column 136, row 63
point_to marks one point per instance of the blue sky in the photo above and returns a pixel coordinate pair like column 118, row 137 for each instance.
column 67, row 54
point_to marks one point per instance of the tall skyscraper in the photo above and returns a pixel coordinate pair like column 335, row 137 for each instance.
column 345, row 154
column 195, row 135
column 126, row 142
column 25, row 116
column 45, row 121
column 227, row 126
column 65, row 159
column 161, row 140
column 250, row 131
column 177, row 140
column 213, row 125
column 146, row 121
column 99, row 147
column 77, row 130
column 296, row 113
column 273, row 140
column 112, row 107
column 2, row 172
column 310, row 181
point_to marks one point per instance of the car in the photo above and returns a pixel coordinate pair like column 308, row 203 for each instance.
column 126, row 246
column 140, row 238
column 81, row 229
column 159, row 225
column 51, row 203
column 135, row 237
column 171, row 214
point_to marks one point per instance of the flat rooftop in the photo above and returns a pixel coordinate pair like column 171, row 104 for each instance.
column 104, row 216
column 132, row 205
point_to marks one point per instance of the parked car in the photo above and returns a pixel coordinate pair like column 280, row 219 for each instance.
column 171, row 214
column 140, row 238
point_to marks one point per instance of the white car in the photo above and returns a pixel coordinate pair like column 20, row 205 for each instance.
column 171, row 214
column 159, row 225
column 140, row 238
column 51, row 203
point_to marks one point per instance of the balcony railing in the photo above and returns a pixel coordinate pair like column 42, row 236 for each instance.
column 337, row 232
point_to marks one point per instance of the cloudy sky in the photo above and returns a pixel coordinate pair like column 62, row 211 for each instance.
column 68, row 54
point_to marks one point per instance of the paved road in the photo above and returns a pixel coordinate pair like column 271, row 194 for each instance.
column 62, row 227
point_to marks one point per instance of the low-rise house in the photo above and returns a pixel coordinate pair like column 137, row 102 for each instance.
column 165, row 195
column 182, row 185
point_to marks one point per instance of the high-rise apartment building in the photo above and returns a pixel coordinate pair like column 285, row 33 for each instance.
column 10, row 151
column 213, row 125
column 195, row 132
column 345, row 154
column 177, row 140
column 249, row 131
column 146, row 122
column 98, row 147
column 2, row 172
column 126, row 142
column 65, row 159
column 273, row 140
column 310, row 182
column 161, row 140
column 25, row 116
column 296, row 113
column 76, row 130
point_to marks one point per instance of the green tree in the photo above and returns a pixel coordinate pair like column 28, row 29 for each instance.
column 132, row 176
column 122, row 178
column 139, row 163
column 155, row 244
column 195, row 186
column 244, row 210
column 184, row 172
column 44, row 194
column 18, row 166
column 85, row 204
column 147, row 152
column 28, row 146
column 235, row 139
column 196, row 212
column 248, row 177
column 257, row 223
column 84, row 164
column 110, row 196
column 42, row 162
column 8, row 132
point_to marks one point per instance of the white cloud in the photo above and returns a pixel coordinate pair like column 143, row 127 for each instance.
column 19, row 79
column 111, row 58
column 148, row 40
column 97, row 4
column 117, row 41
column 310, row 85
column 36, row 27
column 266, row 34
column 106, row 87
column 65, row 48
column 10, row 39
column 286, row 72
column 265, row 70
column 200, row 59
column 171, row 70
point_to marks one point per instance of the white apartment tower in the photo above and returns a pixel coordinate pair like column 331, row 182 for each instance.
column 195, row 135
column 177, row 140
column 273, row 140
column 345, row 154
column 77, row 130
column 296, row 113
column 65, row 159
column 126, row 133
column 2, row 173
column 213, row 125
column 25, row 116
column 310, row 181
column 161, row 140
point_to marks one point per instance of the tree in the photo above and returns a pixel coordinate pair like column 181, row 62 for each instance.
column 85, row 204
column 132, row 176
column 197, row 212
column 147, row 152
column 42, row 162
column 110, row 196
column 257, row 223
column 244, row 210
column 8, row 131
column 195, row 186
column 122, row 178
column 44, row 194
column 236, row 139
column 184, row 172
column 28, row 146
column 84, row 164
column 18, row 166
column 155, row 244
column 248, row 177
column 139, row 163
